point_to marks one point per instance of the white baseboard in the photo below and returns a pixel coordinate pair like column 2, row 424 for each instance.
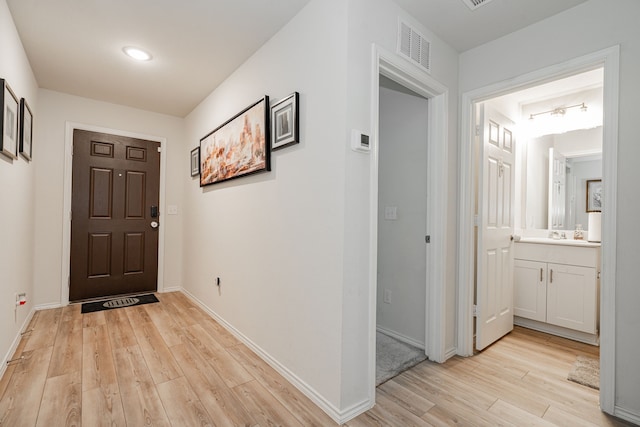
column 16, row 341
column 170, row 289
column 448, row 354
column 339, row 416
column 626, row 415
column 48, row 306
column 403, row 338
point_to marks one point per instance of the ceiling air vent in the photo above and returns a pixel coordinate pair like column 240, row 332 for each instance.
column 474, row 4
column 414, row 46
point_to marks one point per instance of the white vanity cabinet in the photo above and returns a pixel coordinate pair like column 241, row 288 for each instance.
column 556, row 288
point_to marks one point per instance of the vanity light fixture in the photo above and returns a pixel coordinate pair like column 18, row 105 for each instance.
column 560, row 111
column 137, row 53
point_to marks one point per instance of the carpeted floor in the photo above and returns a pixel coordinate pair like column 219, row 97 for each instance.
column 393, row 357
column 586, row 371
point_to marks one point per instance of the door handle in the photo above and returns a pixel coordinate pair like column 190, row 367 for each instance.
column 154, row 224
column 541, row 278
column 551, row 276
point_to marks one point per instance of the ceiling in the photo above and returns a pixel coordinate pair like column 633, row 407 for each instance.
column 75, row 46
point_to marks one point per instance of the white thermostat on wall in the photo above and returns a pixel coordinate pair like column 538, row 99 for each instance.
column 359, row 141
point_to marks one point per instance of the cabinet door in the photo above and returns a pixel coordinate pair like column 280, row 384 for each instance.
column 572, row 297
column 530, row 289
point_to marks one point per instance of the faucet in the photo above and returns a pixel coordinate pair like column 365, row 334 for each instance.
column 555, row 234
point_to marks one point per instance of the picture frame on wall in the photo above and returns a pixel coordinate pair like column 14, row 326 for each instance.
column 9, row 122
column 26, row 130
column 238, row 147
column 285, row 122
column 195, row 161
column 594, row 195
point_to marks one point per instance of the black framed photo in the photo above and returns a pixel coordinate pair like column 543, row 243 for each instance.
column 195, row 161
column 9, row 122
column 26, row 129
column 285, row 122
column 594, row 195
column 238, row 147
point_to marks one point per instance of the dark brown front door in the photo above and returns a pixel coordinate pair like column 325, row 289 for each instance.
column 114, row 218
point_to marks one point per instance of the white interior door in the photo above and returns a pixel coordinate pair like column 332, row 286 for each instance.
column 494, row 297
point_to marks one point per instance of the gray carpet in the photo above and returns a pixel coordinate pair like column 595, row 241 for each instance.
column 394, row 357
column 586, row 371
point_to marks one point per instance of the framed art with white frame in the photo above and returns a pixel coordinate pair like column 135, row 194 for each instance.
column 195, row 161
column 26, row 129
column 285, row 122
column 9, row 122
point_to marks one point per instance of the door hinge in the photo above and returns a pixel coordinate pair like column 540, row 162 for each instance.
column 475, row 310
column 69, row 282
column 70, row 215
column 476, row 220
column 159, row 149
column 477, row 130
column 427, row 239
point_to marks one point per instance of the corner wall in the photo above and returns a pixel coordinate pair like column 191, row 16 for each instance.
column 55, row 110
column 576, row 32
column 17, row 192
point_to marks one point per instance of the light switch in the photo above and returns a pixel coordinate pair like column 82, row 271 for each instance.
column 391, row 213
column 172, row 210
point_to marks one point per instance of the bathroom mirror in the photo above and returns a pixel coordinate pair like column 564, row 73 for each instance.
column 556, row 169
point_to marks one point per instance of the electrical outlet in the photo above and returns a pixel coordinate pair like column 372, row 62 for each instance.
column 386, row 297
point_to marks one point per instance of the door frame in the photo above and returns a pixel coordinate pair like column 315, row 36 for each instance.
column 67, row 195
column 609, row 59
column 419, row 81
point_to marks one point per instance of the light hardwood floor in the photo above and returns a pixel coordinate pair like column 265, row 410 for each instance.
column 170, row 364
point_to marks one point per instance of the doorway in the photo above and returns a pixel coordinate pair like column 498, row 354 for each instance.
column 115, row 202
column 607, row 59
column 390, row 65
column 402, row 213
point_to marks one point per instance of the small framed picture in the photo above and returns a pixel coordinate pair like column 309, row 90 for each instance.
column 26, row 129
column 285, row 122
column 195, row 161
column 9, row 122
column 594, row 195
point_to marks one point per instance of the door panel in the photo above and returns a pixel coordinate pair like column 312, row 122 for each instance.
column 495, row 255
column 114, row 249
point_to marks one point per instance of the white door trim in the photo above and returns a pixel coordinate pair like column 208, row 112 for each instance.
column 66, row 205
column 411, row 77
column 609, row 59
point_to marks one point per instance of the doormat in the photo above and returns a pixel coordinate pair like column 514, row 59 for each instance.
column 90, row 307
column 586, row 371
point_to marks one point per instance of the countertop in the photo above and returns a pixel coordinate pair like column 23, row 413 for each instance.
column 565, row 242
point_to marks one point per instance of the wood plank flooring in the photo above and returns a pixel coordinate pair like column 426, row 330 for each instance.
column 170, row 364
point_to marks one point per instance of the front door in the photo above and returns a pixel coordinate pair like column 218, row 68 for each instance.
column 495, row 255
column 114, row 217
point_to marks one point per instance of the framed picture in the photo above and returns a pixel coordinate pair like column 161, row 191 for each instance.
column 238, row 147
column 26, row 129
column 9, row 122
column 594, row 195
column 195, row 161
column 285, row 122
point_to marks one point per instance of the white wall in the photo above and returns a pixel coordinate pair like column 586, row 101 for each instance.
column 275, row 239
column 576, row 32
column 403, row 185
column 55, row 110
column 17, row 201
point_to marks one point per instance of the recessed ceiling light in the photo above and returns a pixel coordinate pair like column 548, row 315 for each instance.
column 137, row 53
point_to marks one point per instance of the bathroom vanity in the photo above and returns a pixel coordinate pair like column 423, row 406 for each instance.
column 556, row 287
